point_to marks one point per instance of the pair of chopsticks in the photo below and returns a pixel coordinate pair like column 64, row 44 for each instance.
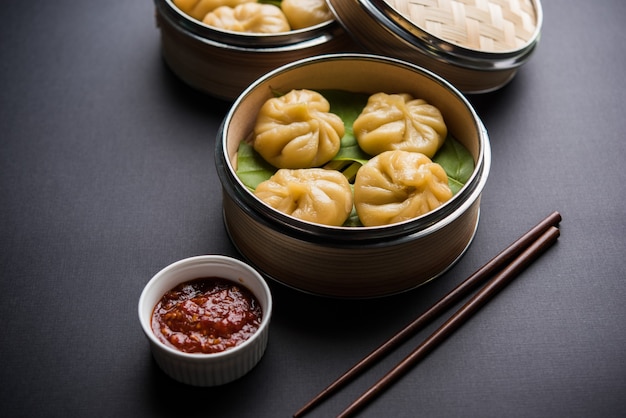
column 504, row 268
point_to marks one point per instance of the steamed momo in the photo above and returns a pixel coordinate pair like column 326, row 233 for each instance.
column 198, row 9
column 305, row 13
column 396, row 186
column 315, row 195
column 297, row 130
column 399, row 121
column 249, row 18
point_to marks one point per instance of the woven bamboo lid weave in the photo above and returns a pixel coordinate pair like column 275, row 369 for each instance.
column 483, row 25
column 477, row 45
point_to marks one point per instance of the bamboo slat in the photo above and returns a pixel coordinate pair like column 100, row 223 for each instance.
column 483, row 25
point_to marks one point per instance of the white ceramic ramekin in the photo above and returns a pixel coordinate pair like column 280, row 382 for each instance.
column 206, row 369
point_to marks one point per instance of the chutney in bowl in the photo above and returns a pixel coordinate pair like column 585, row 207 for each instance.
column 206, row 319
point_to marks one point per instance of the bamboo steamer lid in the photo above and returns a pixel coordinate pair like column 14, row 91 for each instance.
column 478, row 45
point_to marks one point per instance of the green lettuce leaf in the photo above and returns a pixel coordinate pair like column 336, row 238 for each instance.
column 457, row 161
column 252, row 169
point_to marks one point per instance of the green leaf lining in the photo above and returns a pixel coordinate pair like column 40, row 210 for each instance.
column 457, row 161
column 252, row 169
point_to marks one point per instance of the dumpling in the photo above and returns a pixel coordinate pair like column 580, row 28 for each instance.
column 297, row 130
column 249, row 18
column 312, row 194
column 199, row 8
column 396, row 186
column 305, row 13
column 399, row 121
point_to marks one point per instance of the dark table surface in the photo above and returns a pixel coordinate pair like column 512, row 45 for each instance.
column 107, row 175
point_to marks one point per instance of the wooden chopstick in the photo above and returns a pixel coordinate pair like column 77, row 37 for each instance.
column 456, row 320
column 526, row 249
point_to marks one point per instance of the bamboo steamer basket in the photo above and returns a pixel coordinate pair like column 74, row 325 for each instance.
column 352, row 262
column 477, row 45
column 223, row 63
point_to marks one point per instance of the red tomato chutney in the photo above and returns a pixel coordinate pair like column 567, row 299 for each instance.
column 206, row 315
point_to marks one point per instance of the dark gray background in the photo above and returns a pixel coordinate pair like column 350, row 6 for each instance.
column 107, row 175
